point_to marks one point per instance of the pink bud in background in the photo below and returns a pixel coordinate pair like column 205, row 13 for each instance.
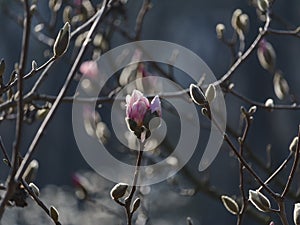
column 89, row 69
column 136, row 107
column 156, row 105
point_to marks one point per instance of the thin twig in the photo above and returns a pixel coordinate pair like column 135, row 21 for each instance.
column 128, row 200
column 294, row 168
column 11, row 183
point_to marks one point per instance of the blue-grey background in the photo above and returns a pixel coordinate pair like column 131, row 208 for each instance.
column 192, row 25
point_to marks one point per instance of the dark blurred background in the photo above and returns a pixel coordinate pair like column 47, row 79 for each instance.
column 192, row 25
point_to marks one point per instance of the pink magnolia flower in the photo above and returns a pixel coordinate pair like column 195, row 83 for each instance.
column 136, row 107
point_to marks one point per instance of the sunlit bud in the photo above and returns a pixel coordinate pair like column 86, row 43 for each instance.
column 31, row 171
column 197, row 95
column 297, row 214
column 62, row 41
column 294, row 144
column 260, row 201
column 67, row 14
column 230, row 204
column 136, row 204
column 35, row 189
column 263, row 5
column 54, row 214
column 266, row 55
column 33, row 65
column 281, row 87
column 235, row 17
column 269, row 103
column 220, row 29
column 210, row 93
column 55, row 5
column 118, row 191
column 252, row 110
column 243, row 22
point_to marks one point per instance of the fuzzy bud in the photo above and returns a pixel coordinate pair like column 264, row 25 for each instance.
column 62, row 41
column 235, row 17
column 297, row 214
column 35, row 189
column 33, row 65
column 210, row 93
column 220, row 29
column 294, row 144
column 269, row 103
column 263, row 5
column 266, row 55
column 243, row 22
column 260, row 201
column 31, row 171
column 136, row 204
column 281, row 87
column 197, row 95
column 230, row 204
column 118, row 191
column 54, row 214
column 252, row 110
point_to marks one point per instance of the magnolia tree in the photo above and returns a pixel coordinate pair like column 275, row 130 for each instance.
column 128, row 101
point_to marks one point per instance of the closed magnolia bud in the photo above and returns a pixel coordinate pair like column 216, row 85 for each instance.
column 263, row 5
column 33, row 65
column 136, row 204
column 235, row 17
column 220, row 28
column 62, row 40
column 294, row 145
column 54, row 214
column 269, row 103
column 35, row 189
column 230, row 204
column 41, row 113
column 31, row 171
column 210, row 93
column 297, row 214
column 281, row 87
column 260, row 201
column 55, row 5
column 252, row 110
column 197, row 95
column 266, row 55
column 243, row 22
column 118, row 191
column 189, row 221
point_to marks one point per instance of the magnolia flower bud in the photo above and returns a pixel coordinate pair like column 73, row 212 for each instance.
column 62, row 41
column 33, row 65
column 281, row 87
column 67, row 14
column 210, row 93
column 297, row 214
column 252, row 110
column 230, row 204
column 260, row 201
column 197, row 95
column 118, row 191
column 294, row 144
column 235, row 17
column 243, row 22
column 54, row 214
column 55, row 5
column 2, row 67
column 263, row 5
column 136, row 204
column 31, row 171
column 269, row 103
column 35, row 189
column 266, row 55
column 220, row 28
